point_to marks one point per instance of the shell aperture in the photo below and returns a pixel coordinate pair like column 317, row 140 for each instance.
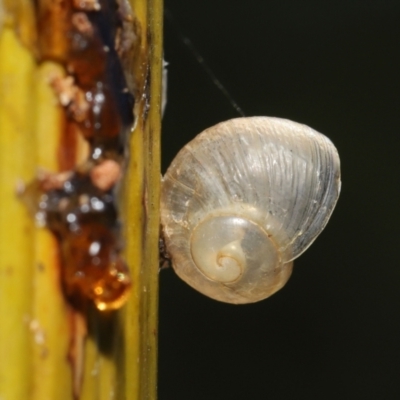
column 242, row 200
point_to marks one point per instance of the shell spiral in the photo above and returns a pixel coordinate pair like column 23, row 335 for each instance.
column 242, row 200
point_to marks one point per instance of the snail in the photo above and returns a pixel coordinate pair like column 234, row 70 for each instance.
column 242, row 200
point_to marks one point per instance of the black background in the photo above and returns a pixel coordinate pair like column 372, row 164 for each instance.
column 333, row 332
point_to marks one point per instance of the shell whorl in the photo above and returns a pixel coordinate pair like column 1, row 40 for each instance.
column 242, row 200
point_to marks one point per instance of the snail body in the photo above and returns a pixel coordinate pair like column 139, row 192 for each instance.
column 242, row 200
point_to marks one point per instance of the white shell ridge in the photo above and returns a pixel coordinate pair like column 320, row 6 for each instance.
column 242, row 200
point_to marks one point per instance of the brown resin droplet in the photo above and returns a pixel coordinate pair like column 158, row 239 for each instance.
column 93, row 267
column 112, row 291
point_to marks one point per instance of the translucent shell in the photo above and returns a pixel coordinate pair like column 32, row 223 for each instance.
column 244, row 199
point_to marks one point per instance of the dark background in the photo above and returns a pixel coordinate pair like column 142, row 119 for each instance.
column 333, row 332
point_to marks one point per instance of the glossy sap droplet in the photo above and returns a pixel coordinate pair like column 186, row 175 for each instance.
column 242, row 200
column 93, row 268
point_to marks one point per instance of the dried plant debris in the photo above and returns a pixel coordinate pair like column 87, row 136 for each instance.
column 79, row 205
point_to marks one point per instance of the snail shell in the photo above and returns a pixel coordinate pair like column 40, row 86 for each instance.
column 242, row 200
